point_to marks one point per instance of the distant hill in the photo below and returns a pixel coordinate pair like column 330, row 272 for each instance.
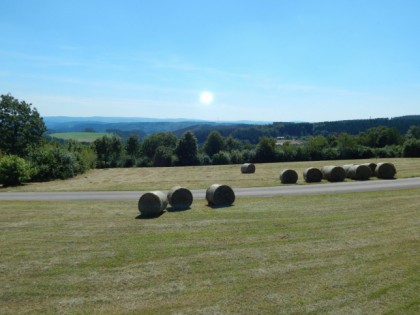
column 144, row 126
column 246, row 131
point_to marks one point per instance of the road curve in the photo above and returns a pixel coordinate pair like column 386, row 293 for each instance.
column 283, row 190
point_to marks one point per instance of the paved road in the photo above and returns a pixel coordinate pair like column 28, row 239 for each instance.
column 327, row 188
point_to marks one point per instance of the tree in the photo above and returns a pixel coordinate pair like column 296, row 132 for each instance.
column 132, row 148
column 162, row 157
column 109, row 151
column 266, row 150
column 187, row 149
column 214, row 143
column 379, row 137
column 411, row 148
column 413, row 132
column 152, row 142
column 21, row 127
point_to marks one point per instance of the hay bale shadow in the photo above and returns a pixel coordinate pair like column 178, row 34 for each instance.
column 149, row 216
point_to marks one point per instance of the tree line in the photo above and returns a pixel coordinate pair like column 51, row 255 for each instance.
column 27, row 155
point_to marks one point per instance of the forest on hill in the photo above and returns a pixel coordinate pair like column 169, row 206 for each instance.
column 249, row 132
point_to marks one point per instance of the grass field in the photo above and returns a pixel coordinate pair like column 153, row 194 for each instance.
column 80, row 136
column 324, row 254
column 353, row 253
column 198, row 177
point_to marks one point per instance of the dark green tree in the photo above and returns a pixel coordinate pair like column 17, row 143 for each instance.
column 411, row 148
column 215, row 143
column 152, row 142
column 132, row 149
column 109, row 151
column 414, row 132
column 187, row 149
column 266, row 150
column 162, row 157
column 379, row 137
column 21, row 127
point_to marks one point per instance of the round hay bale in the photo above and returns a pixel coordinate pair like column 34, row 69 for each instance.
column 180, row 198
column 288, row 176
column 372, row 167
column 385, row 170
column 248, row 168
column 346, row 168
column 333, row 173
column 220, row 195
column 359, row 172
column 312, row 175
column 152, row 203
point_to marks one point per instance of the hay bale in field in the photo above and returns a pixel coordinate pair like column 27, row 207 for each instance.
column 288, row 176
column 385, row 170
column 248, row 168
column 333, row 173
column 346, row 168
column 180, row 198
column 312, row 175
column 152, row 203
column 372, row 167
column 220, row 195
column 359, row 172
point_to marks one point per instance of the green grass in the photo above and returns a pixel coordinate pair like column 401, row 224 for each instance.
column 198, row 177
column 341, row 254
column 80, row 136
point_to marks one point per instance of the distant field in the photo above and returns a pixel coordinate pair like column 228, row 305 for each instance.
column 80, row 136
column 198, row 177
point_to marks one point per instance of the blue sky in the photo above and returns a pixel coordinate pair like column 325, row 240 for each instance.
column 284, row 60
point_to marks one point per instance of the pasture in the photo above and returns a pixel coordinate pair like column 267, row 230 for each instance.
column 344, row 253
column 80, row 136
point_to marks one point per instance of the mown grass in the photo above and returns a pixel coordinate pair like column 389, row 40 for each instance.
column 198, row 177
column 342, row 254
column 80, row 136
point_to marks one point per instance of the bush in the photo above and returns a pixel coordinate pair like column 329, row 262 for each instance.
column 221, row 158
column 14, row 170
column 54, row 163
column 204, row 159
column 236, row 157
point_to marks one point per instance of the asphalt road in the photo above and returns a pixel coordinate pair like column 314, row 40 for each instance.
column 283, row 190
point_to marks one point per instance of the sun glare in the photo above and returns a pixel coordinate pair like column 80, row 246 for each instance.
column 206, row 97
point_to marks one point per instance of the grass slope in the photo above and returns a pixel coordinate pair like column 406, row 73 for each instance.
column 80, row 136
column 341, row 254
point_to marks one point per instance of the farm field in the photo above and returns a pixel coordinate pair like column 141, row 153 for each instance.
column 343, row 254
column 198, row 177
column 79, row 136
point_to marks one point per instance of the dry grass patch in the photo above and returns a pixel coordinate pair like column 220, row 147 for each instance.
column 198, row 177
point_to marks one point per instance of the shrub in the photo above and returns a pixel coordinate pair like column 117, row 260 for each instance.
column 236, row 157
column 54, row 163
column 221, row 158
column 14, row 170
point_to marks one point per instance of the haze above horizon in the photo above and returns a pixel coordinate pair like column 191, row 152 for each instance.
column 213, row 60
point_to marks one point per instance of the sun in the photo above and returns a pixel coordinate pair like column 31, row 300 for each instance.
column 206, row 97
